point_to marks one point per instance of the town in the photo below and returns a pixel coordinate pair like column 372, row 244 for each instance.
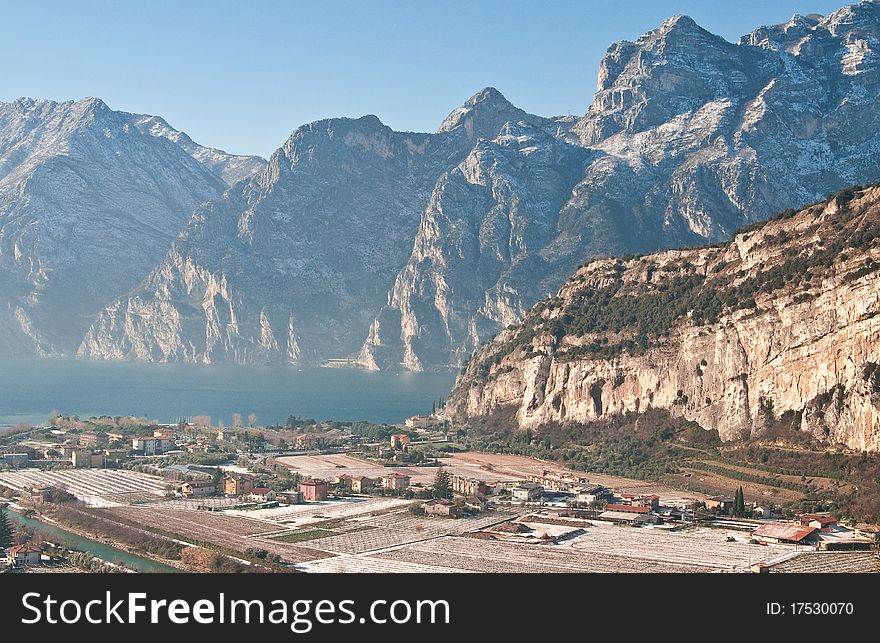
column 310, row 496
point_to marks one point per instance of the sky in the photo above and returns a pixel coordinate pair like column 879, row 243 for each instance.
column 242, row 75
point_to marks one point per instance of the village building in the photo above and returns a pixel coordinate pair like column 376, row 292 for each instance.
column 152, row 445
column 198, row 488
column 361, row 484
column 400, row 441
column 115, row 436
column 528, row 492
column 396, row 481
column 819, row 521
column 164, row 433
column 866, row 530
column 624, row 514
column 20, row 555
column 468, row 486
column 93, row 440
column 640, row 500
column 314, row 490
column 785, row 533
column 262, row 494
column 591, row 493
column 225, row 435
column 237, row 484
column 422, row 421
column 442, row 507
column 721, row 503
column 290, row 497
column 81, row 458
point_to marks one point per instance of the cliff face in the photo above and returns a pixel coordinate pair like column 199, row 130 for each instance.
column 90, row 200
column 781, row 322
column 394, row 249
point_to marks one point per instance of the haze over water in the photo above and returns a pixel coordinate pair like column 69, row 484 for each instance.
column 31, row 389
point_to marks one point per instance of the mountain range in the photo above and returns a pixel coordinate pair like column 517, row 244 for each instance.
column 121, row 238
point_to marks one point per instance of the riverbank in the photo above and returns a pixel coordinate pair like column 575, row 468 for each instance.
column 104, row 549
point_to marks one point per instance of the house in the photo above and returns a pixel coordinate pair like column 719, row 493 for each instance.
column 115, row 436
column 396, row 481
column 224, row 435
column 314, row 489
column 81, row 458
column 866, row 530
column 20, row 555
column 199, row 488
column 41, row 492
column 164, row 433
column 785, row 533
column 592, row 493
column 152, row 445
column 360, row 484
column 290, row 497
column 422, row 421
column 640, row 500
column 528, row 492
column 468, row 486
column 442, row 507
column 237, row 484
column 93, row 440
column 400, row 441
column 762, row 511
column 721, row 503
column 819, row 521
column 262, row 494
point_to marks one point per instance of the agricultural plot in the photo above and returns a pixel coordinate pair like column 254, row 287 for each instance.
column 314, row 512
column 96, row 487
column 395, row 529
column 702, row 547
column 217, row 528
column 829, row 562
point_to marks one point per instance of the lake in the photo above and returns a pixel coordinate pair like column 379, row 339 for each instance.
column 32, row 389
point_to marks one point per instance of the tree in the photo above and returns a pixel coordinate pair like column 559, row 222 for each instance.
column 252, row 420
column 5, row 530
column 441, row 484
column 739, row 504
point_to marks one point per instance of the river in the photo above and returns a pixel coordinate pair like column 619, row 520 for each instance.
column 32, row 389
column 94, row 547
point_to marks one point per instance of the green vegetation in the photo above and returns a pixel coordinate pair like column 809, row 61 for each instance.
column 6, row 532
column 302, row 536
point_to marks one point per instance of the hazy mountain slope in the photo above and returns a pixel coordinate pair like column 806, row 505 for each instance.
column 781, row 322
column 88, row 204
column 424, row 245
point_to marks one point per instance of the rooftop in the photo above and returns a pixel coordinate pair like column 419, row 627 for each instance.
column 784, row 531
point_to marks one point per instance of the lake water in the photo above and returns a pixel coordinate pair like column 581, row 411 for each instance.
column 31, row 390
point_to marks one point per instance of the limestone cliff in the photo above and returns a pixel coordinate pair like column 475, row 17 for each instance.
column 782, row 321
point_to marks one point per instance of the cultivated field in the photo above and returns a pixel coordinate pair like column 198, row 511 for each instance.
column 603, row 548
column 97, row 487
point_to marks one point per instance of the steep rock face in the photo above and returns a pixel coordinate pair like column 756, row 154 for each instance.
column 291, row 265
column 689, row 137
column 482, row 250
column 782, row 321
column 408, row 250
column 88, row 204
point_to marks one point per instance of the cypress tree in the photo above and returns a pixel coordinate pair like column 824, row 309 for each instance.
column 5, row 530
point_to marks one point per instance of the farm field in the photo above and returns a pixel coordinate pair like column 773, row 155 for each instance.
column 96, row 487
column 604, row 548
column 315, row 512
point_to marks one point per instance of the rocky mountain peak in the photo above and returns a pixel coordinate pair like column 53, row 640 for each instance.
column 483, row 115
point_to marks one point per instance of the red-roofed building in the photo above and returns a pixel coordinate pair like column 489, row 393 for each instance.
column 819, row 521
column 314, row 489
column 396, row 481
column 785, row 533
column 23, row 555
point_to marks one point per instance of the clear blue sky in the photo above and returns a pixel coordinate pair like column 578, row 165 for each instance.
column 243, row 75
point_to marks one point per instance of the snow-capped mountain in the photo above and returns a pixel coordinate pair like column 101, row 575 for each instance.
column 393, row 249
column 90, row 200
